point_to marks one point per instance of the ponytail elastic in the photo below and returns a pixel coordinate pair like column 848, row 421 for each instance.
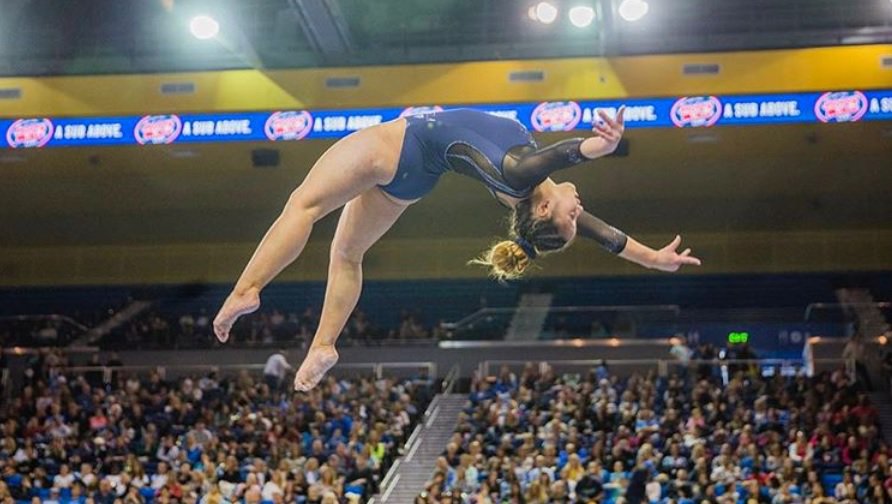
column 527, row 247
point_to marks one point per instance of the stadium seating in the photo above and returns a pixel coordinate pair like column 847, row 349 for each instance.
column 68, row 437
column 545, row 438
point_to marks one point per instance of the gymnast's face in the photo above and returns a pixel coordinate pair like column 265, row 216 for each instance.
column 562, row 205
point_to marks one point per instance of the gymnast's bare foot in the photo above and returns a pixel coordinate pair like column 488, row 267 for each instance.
column 236, row 305
column 318, row 361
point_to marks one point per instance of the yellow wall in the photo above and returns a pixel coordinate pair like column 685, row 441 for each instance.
column 744, row 72
column 580, row 78
column 766, row 252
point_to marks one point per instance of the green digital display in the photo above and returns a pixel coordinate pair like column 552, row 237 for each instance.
column 736, row 338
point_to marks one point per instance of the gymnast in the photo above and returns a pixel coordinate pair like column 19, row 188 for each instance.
column 377, row 172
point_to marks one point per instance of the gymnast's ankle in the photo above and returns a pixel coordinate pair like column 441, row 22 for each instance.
column 250, row 290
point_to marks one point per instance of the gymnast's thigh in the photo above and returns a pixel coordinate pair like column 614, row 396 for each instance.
column 364, row 220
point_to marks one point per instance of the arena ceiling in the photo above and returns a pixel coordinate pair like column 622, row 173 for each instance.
column 48, row 37
column 796, row 177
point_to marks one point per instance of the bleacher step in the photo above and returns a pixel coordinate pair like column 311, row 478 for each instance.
column 883, row 403
column 417, row 464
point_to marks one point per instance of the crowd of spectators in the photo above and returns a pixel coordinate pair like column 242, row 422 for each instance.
column 685, row 439
column 265, row 328
column 109, row 438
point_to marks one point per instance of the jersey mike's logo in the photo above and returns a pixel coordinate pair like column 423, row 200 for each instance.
column 26, row 133
column 696, row 111
column 157, row 129
column 415, row 111
column 556, row 116
column 841, row 106
column 288, row 125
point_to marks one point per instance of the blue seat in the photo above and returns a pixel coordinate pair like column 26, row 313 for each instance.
column 147, row 492
column 831, row 479
column 354, row 489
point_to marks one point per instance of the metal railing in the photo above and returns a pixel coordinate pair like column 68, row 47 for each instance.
column 390, row 480
column 376, row 369
column 841, row 308
column 483, row 313
column 450, row 379
column 207, row 342
column 639, row 321
column 806, row 366
column 67, row 330
column 5, row 387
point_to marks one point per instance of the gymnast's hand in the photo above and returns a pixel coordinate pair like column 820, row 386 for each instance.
column 608, row 133
column 666, row 259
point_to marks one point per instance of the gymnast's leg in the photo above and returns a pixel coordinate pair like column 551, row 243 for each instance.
column 364, row 220
column 351, row 166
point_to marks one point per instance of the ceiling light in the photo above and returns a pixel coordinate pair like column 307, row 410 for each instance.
column 633, row 10
column 582, row 16
column 204, row 27
column 546, row 12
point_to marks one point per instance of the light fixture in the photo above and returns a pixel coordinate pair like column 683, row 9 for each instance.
column 204, row 27
column 582, row 16
column 546, row 12
column 633, row 10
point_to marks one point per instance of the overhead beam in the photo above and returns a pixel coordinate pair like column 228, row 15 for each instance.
column 239, row 39
column 323, row 23
column 9, row 19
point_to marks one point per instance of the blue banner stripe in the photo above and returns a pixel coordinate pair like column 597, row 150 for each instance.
column 694, row 111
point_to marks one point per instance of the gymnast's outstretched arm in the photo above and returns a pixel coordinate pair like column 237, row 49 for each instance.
column 531, row 168
column 617, row 242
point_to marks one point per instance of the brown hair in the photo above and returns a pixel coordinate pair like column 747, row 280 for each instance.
column 507, row 259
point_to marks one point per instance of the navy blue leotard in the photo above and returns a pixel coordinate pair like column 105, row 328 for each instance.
column 499, row 152
column 466, row 141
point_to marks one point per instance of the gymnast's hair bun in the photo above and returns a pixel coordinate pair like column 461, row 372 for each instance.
column 506, row 260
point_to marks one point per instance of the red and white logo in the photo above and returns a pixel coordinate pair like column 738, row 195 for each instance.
column 27, row 133
column 841, row 106
column 288, row 125
column 415, row 111
column 556, row 116
column 158, row 129
column 696, row 111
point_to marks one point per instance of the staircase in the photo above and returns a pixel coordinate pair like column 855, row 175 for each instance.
column 408, row 475
column 883, row 403
column 120, row 318
column 529, row 319
column 861, row 304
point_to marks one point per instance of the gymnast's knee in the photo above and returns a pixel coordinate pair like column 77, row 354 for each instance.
column 299, row 206
column 346, row 255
